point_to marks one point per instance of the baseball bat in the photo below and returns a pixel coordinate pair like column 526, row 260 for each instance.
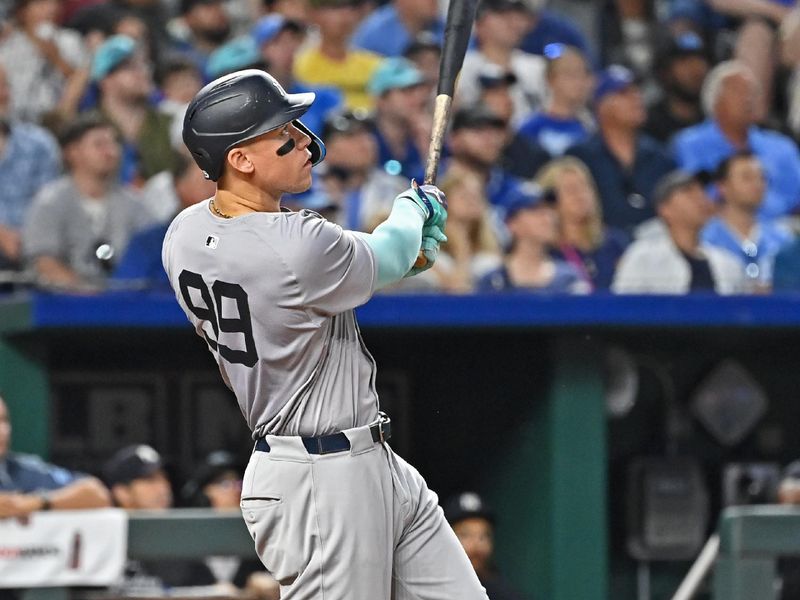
column 457, row 30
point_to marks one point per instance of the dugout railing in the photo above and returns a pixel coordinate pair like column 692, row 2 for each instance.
column 752, row 538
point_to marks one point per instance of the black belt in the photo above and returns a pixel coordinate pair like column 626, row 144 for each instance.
column 336, row 442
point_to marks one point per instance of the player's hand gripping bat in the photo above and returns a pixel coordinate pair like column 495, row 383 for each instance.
column 460, row 15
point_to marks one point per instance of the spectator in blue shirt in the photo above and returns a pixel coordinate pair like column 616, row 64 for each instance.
column 28, row 484
column 737, row 227
column 529, row 267
column 29, row 158
column 730, row 103
column 564, row 120
column 546, row 27
column 390, row 29
column 401, row 127
column 521, row 157
column 141, row 262
column 786, row 277
column 625, row 163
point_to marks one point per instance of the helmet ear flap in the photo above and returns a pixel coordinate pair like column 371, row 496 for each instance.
column 316, row 147
column 203, row 159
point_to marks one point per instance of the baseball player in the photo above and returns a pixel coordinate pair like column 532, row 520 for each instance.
column 333, row 511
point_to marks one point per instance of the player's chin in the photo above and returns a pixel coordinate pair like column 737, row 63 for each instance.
column 302, row 184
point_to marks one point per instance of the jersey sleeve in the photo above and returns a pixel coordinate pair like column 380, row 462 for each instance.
column 335, row 270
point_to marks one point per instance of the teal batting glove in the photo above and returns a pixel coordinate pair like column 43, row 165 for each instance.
column 431, row 200
column 432, row 236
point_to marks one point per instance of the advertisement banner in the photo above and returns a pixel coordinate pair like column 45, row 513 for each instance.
column 63, row 548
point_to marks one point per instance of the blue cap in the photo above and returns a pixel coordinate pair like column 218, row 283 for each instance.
column 268, row 27
column 614, row 79
column 394, row 73
column 111, row 54
column 239, row 53
column 524, row 196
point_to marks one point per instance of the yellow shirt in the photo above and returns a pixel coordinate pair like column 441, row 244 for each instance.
column 350, row 75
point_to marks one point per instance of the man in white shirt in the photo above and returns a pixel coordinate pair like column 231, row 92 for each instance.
column 678, row 263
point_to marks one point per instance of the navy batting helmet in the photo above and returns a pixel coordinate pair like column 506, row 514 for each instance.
column 239, row 107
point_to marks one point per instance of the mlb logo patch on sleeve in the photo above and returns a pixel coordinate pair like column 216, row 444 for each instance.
column 212, row 242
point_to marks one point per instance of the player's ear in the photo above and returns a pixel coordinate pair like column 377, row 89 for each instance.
column 239, row 160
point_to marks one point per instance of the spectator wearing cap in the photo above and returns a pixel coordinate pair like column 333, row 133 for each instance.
column 681, row 67
column 29, row 158
column 234, row 55
column 138, row 481
column 472, row 248
column 332, row 61
column 476, row 143
column 520, row 157
column 124, row 79
column 353, row 179
column 80, row 224
column 679, row 263
column 28, row 484
column 499, row 27
column 402, row 129
column 564, row 119
column 141, row 264
column 217, row 483
column 625, row 163
column 545, row 27
column 39, row 57
column 474, row 524
column 278, row 39
column 201, row 27
column 584, row 241
column 528, row 266
column 729, row 97
column 390, row 29
column 737, row 228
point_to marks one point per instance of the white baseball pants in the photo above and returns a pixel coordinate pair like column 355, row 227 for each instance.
column 353, row 525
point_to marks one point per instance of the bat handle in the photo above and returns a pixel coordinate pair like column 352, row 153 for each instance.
column 441, row 114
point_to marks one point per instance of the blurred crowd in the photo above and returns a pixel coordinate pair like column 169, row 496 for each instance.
column 657, row 153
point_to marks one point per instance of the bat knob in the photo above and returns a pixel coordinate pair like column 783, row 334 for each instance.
column 421, row 261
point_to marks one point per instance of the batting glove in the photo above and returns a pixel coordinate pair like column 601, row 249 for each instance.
column 431, row 200
column 432, row 236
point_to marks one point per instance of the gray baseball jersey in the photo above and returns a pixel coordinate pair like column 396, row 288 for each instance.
column 272, row 294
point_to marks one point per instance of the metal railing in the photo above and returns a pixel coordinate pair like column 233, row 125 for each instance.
column 744, row 553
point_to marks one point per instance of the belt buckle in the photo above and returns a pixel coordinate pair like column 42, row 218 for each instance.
column 383, row 419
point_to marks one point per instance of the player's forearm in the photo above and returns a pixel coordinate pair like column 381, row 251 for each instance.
column 396, row 241
column 87, row 492
column 52, row 271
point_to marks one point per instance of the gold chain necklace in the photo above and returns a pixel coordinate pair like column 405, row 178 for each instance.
column 218, row 211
